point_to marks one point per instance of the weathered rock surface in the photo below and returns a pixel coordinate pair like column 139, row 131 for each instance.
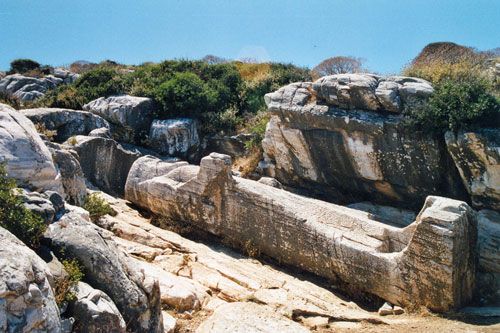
column 66, row 75
column 105, row 162
column 326, row 239
column 49, row 205
column 72, row 176
column 27, row 302
column 233, row 146
column 174, row 137
column 94, row 311
column 477, row 157
column 66, row 122
column 229, row 276
column 248, row 317
column 28, row 160
column 28, row 88
column 128, row 111
column 107, row 269
column 488, row 223
column 353, row 155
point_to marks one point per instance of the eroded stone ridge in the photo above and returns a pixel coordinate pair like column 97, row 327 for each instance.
column 429, row 262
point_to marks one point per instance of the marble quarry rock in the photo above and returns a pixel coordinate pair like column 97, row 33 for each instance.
column 431, row 261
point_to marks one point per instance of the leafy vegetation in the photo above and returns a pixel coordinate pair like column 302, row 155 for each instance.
column 223, row 95
column 466, row 95
column 63, row 293
column 97, row 206
column 14, row 217
column 455, row 106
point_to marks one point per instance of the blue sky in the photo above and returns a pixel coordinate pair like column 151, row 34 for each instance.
column 388, row 34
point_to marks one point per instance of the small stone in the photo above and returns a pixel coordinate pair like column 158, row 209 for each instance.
column 385, row 310
column 169, row 322
column 398, row 310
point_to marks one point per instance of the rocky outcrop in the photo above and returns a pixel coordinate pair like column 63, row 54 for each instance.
column 28, row 160
column 248, row 317
column 105, row 162
column 319, row 139
column 107, row 269
column 66, row 122
column 174, row 137
column 354, row 91
column 225, row 274
column 66, row 75
column 124, row 110
column 477, row 157
column 94, row 311
column 73, row 180
column 233, row 146
column 329, row 240
column 27, row 302
column 28, row 88
column 48, row 205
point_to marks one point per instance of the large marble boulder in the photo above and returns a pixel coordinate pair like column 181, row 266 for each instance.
column 174, row 137
column 109, row 270
column 94, row 311
column 28, row 88
column 131, row 112
column 66, row 122
column 477, row 157
column 72, row 176
column 349, row 155
column 28, row 159
column 387, row 259
column 27, row 302
column 105, row 162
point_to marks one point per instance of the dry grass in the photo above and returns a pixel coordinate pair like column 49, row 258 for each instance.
column 252, row 71
column 247, row 164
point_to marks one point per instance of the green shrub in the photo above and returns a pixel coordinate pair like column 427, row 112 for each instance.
column 22, row 66
column 453, row 107
column 63, row 285
column 185, row 95
column 257, row 125
column 14, row 217
column 97, row 206
column 6, row 98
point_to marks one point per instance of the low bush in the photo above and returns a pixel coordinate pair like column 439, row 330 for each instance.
column 6, row 98
column 62, row 292
column 454, row 106
column 24, row 224
column 22, row 66
column 97, row 207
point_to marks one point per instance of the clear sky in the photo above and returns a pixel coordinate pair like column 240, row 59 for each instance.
column 387, row 33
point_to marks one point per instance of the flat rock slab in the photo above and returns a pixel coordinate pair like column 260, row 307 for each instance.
column 248, row 317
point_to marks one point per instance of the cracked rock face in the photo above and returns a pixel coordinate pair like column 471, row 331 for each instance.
column 28, row 88
column 174, row 137
column 65, row 121
column 27, row 302
column 28, row 160
column 105, row 162
column 107, row 269
column 94, row 311
column 125, row 110
column 329, row 138
column 477, row 157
